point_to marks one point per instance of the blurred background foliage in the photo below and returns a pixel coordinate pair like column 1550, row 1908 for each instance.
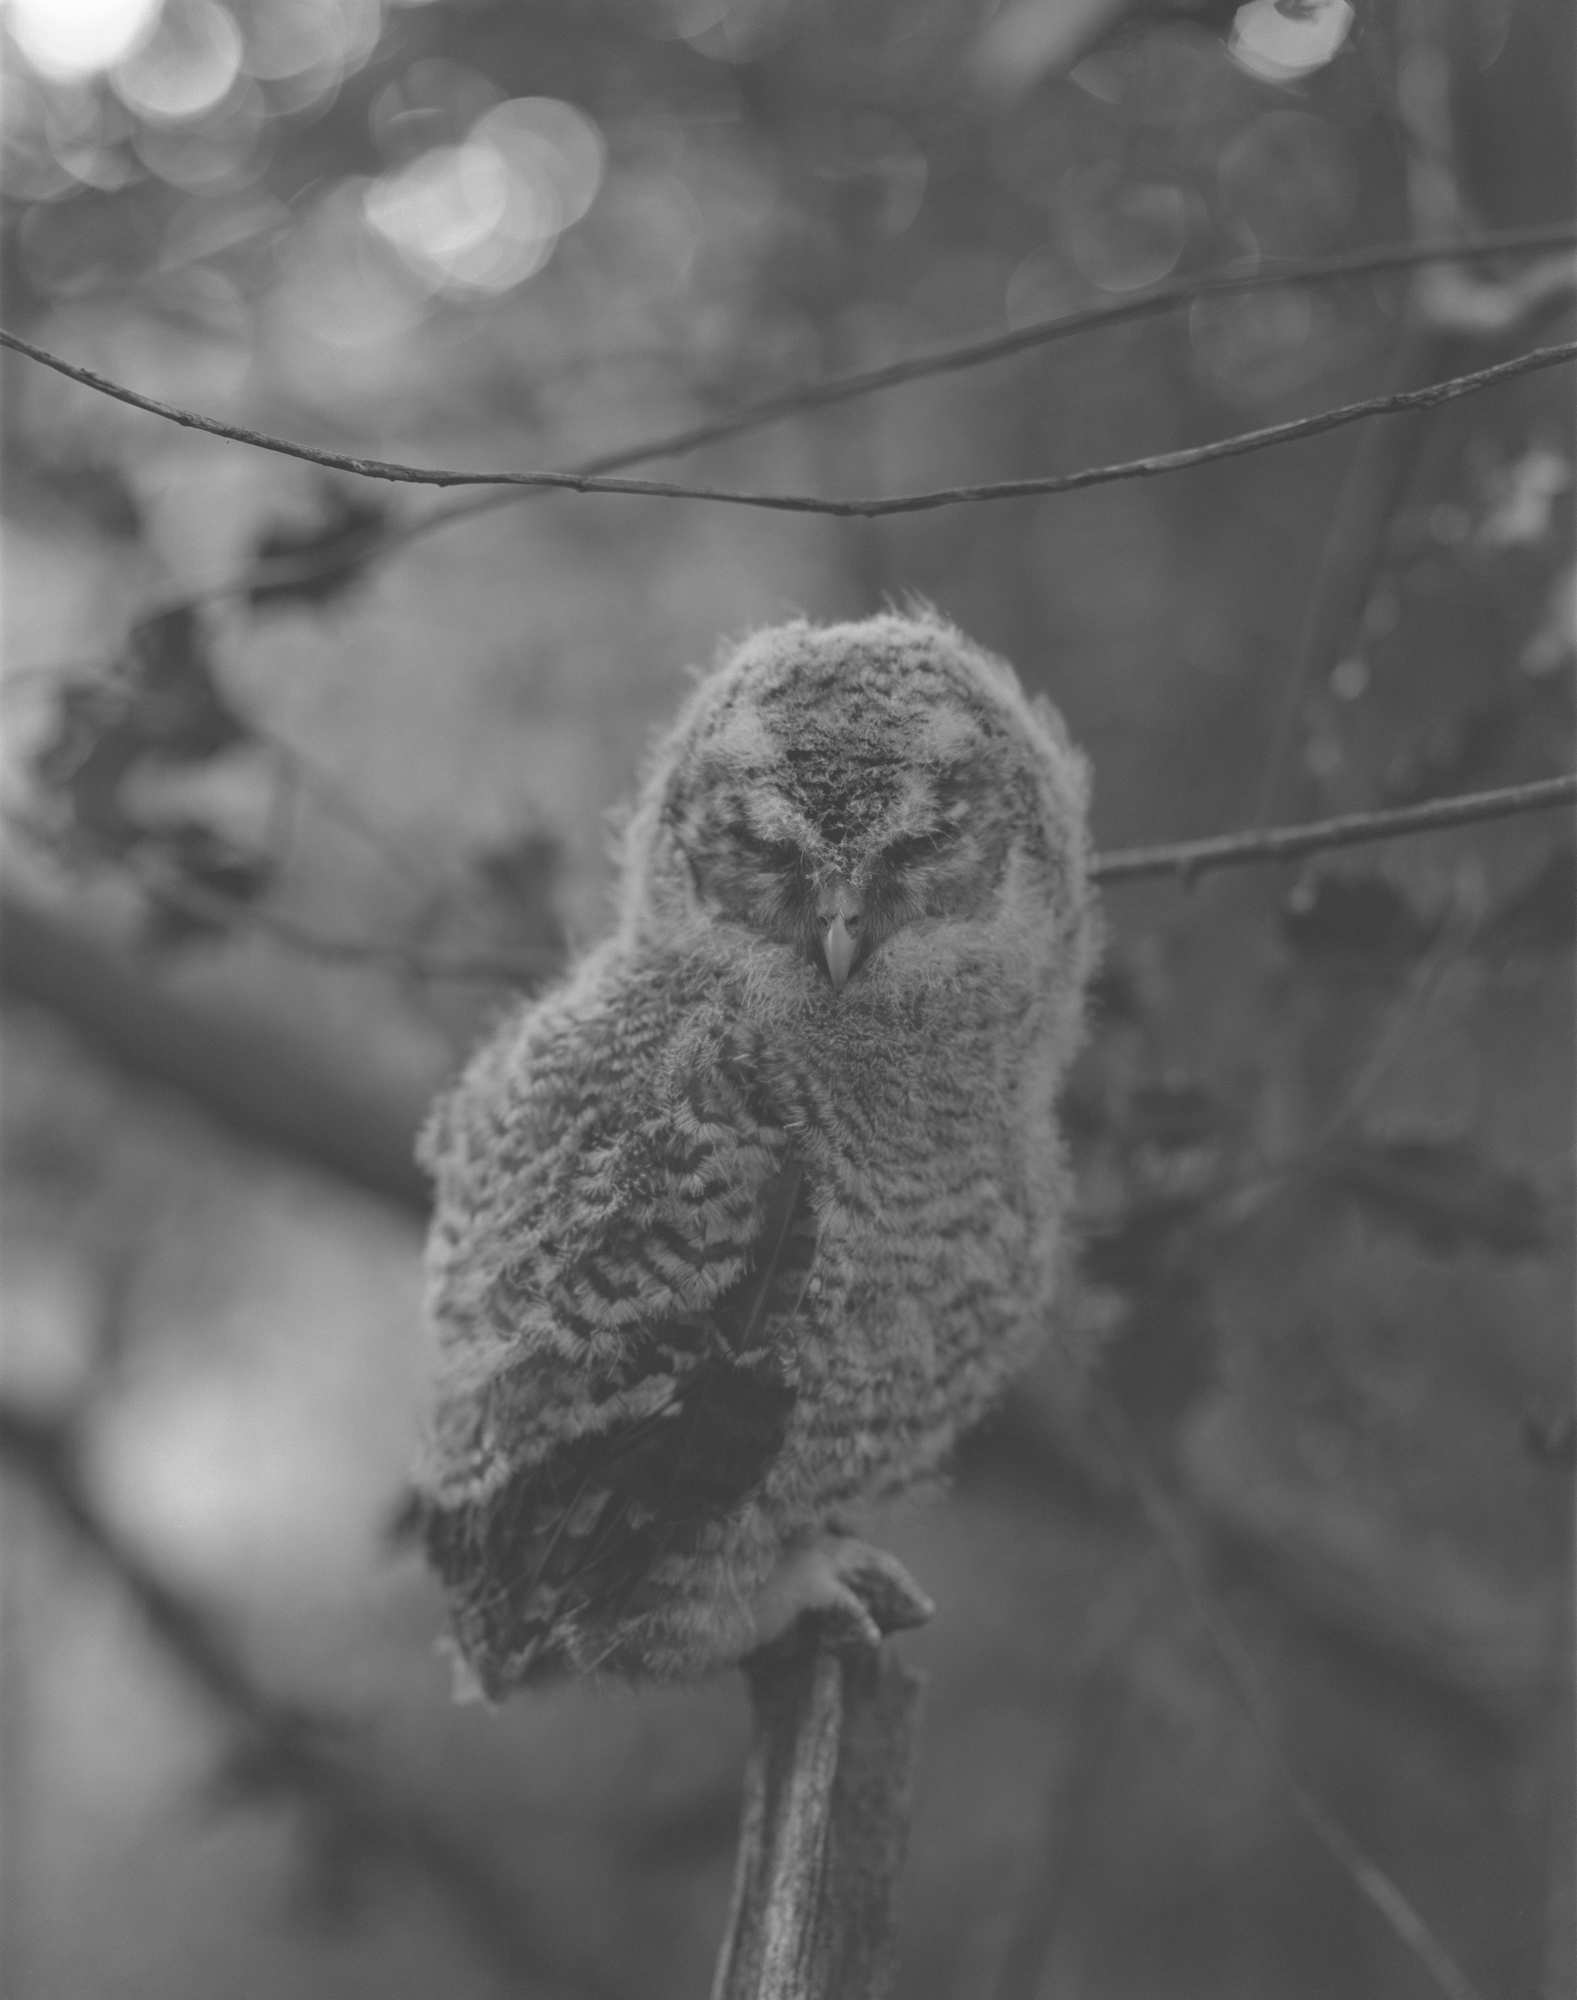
column 297, row 784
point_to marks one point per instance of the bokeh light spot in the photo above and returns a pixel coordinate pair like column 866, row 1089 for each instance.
column 70, row 39
column 1281, row 42
column 483, row 215
column 186, row 66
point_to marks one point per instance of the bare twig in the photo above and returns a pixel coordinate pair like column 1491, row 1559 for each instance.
column 1365, row 1873
column 985, row 348
column 284, row 571
column 1188, row 858
column 804, row 503
column 282, row 1744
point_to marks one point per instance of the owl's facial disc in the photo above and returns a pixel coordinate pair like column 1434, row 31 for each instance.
column 826, row 814
column 833, row 886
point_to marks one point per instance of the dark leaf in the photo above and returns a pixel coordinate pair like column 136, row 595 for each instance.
column 521, row 879
column 316, row 564
column 87, row 758
column 211, row 883
column 157, row 705
column 1085, row 1104
column 1444, row 1193
column 94, row 490
column 1335, row 914
column 1114, row 992
column 98, row 493
column 176, row 704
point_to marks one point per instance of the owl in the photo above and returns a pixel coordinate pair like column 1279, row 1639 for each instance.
column 740, row 1227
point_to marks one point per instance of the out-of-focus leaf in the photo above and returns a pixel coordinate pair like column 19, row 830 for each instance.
column 212, row 882
column 1444, row 1193
column 88, row 756
column 1334, row 914
column 174, row 701
column 520, row 877
column 94, row 490
column 1542, row 914
column 1114, row 991
column 316, row 564
column 159, row 704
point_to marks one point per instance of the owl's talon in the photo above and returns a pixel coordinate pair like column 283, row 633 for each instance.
column 858, row 1593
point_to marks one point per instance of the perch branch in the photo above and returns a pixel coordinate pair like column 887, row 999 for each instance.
column 1188, row 858
column 399, row 473
column 823, row 1834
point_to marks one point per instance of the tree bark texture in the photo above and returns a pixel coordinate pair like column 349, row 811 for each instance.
column 825, row 1827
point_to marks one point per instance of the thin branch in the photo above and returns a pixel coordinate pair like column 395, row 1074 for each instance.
column 280, row 1742
column 984, row 348
column 398, row 473
column 1188, row 858
column 1366, row 1874
column 1182, row 860
column 282, row 571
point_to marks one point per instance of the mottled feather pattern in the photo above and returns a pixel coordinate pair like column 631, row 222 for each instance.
column 724, row 1248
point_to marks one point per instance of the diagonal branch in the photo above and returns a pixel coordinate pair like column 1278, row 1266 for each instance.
column 398, row 473
column 985, row 348
column 284, row 572
column 1188, row 858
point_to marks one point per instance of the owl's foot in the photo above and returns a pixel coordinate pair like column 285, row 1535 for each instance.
column 856, row 1593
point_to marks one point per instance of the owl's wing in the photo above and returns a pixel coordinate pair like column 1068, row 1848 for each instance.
column 635, row 1456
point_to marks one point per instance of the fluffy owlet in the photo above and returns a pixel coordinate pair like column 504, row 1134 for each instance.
column 742, row 1225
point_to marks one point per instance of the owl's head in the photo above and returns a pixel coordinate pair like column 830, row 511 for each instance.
column 860, row 798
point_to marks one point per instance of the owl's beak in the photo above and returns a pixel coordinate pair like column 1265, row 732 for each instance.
column 838, row 915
